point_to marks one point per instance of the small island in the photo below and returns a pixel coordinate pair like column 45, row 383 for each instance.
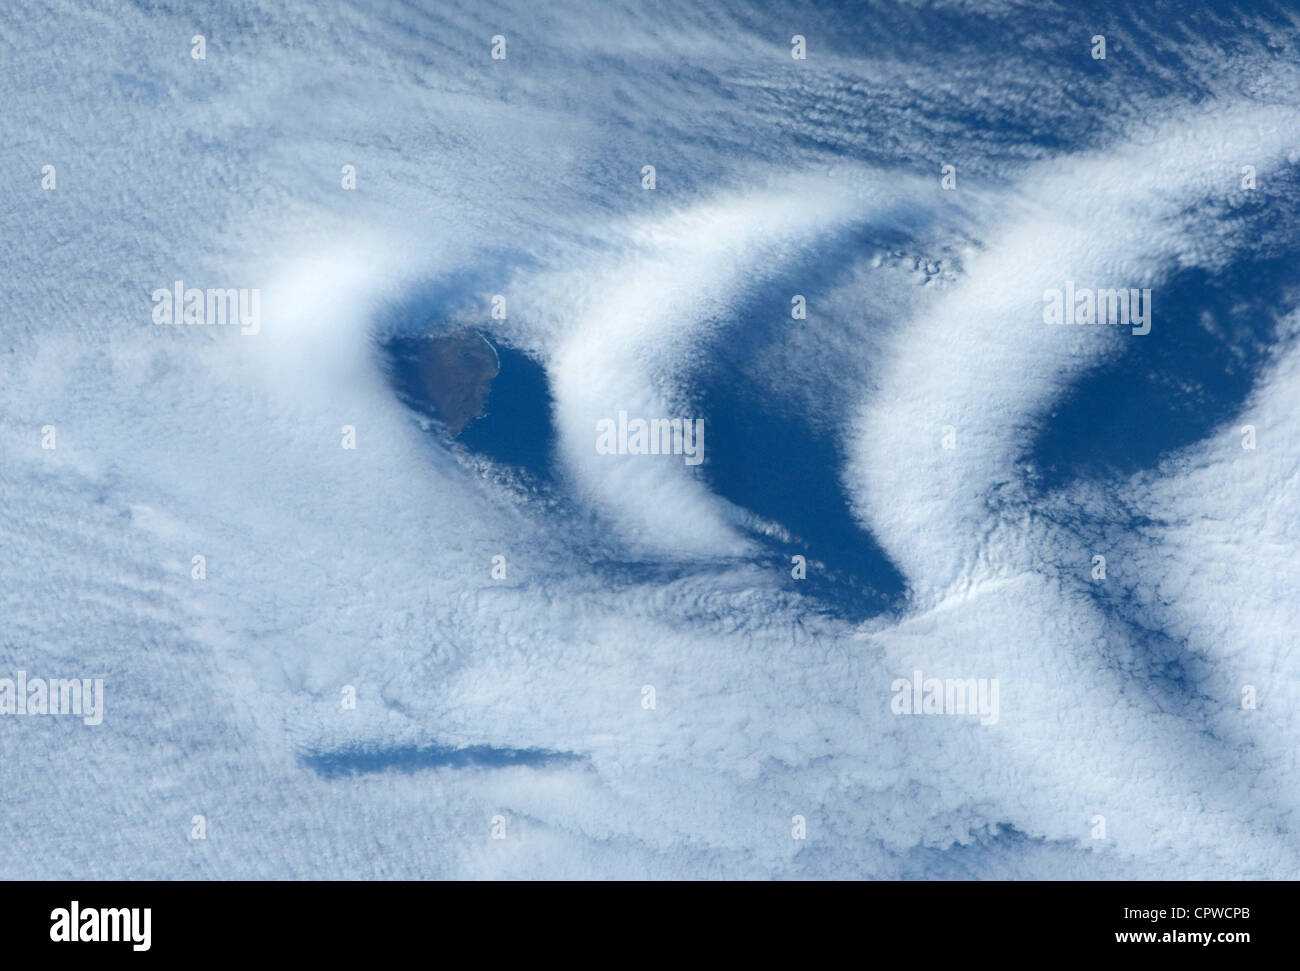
column 454, row 374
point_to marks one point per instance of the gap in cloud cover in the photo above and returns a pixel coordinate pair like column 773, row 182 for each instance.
column 512, row 424
column 773, row 458
column 514, row 427
column 517, row 428
column 1211, row 335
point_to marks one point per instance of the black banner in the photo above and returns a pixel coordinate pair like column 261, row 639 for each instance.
column 174, row 919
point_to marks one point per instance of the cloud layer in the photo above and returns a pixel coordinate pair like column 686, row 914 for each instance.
column 525, row 697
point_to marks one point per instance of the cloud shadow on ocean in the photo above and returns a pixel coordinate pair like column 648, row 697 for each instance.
column 362, row 760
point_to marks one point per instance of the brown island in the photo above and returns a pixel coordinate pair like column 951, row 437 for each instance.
column 455, row 373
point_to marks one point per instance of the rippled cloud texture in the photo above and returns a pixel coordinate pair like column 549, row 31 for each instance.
column 949, row 464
